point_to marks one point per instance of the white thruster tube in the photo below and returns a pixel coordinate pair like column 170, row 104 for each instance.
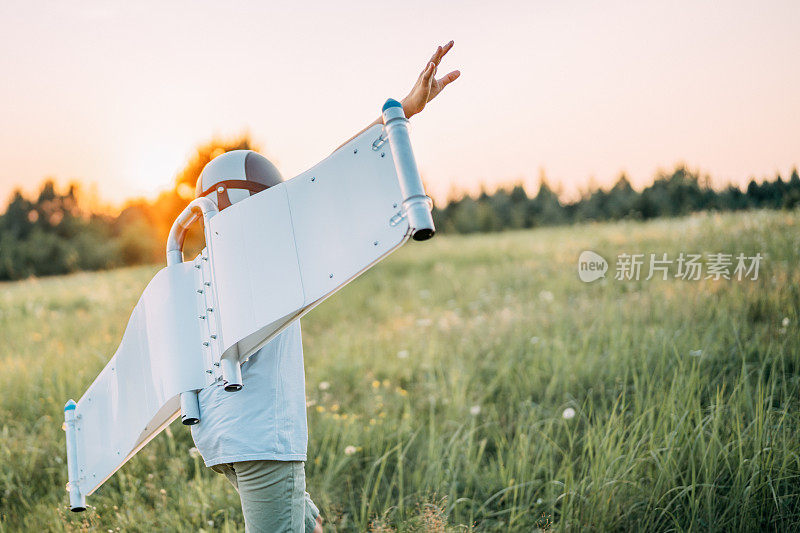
column 231, row 369
column 416, row 204
column 77, row 501
column 190, row 405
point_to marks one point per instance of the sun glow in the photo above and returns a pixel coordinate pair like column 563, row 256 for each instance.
column 151, row 170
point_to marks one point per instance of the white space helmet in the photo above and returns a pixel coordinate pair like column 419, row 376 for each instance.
column 233, row 176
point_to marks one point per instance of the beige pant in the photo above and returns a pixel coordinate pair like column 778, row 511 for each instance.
column 273, row 495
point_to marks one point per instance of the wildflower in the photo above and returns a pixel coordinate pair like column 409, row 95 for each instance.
column 568, row 413
column 335, row 407
column 324, row 385
column 402, row 391
column 320, row 408
column 376, row 384
column 385, row 383
column 350, row 450
column 194, row 452
column 163, row 491
column 475, row 410
column 785, row 322
column 372, row 422
column 210, row 523
column 402, row 354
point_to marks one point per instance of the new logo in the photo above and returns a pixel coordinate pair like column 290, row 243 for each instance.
column 591, row 266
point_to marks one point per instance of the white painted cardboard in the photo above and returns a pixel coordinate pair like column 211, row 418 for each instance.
column 135, row 396
column 271, row 258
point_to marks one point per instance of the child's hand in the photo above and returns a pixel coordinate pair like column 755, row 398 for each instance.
column 425, row 90
column 427, row 86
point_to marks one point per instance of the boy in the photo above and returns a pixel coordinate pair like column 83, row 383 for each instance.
column 257, row 437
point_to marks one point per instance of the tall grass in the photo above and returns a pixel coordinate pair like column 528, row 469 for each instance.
column 437, row 387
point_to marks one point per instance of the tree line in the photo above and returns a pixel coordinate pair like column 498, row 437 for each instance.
column 52, row 233
column 677, row 193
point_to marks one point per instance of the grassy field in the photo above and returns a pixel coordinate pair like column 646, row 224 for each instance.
column 440, row 386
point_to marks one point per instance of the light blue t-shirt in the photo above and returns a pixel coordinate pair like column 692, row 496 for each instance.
column 266, row 419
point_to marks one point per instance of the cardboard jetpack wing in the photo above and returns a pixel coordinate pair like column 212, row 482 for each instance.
column 268, row 260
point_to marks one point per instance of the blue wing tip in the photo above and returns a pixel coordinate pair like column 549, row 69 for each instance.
column 70, row 406
column 391, row 102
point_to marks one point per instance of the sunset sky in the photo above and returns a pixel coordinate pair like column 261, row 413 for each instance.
column 119, row 95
